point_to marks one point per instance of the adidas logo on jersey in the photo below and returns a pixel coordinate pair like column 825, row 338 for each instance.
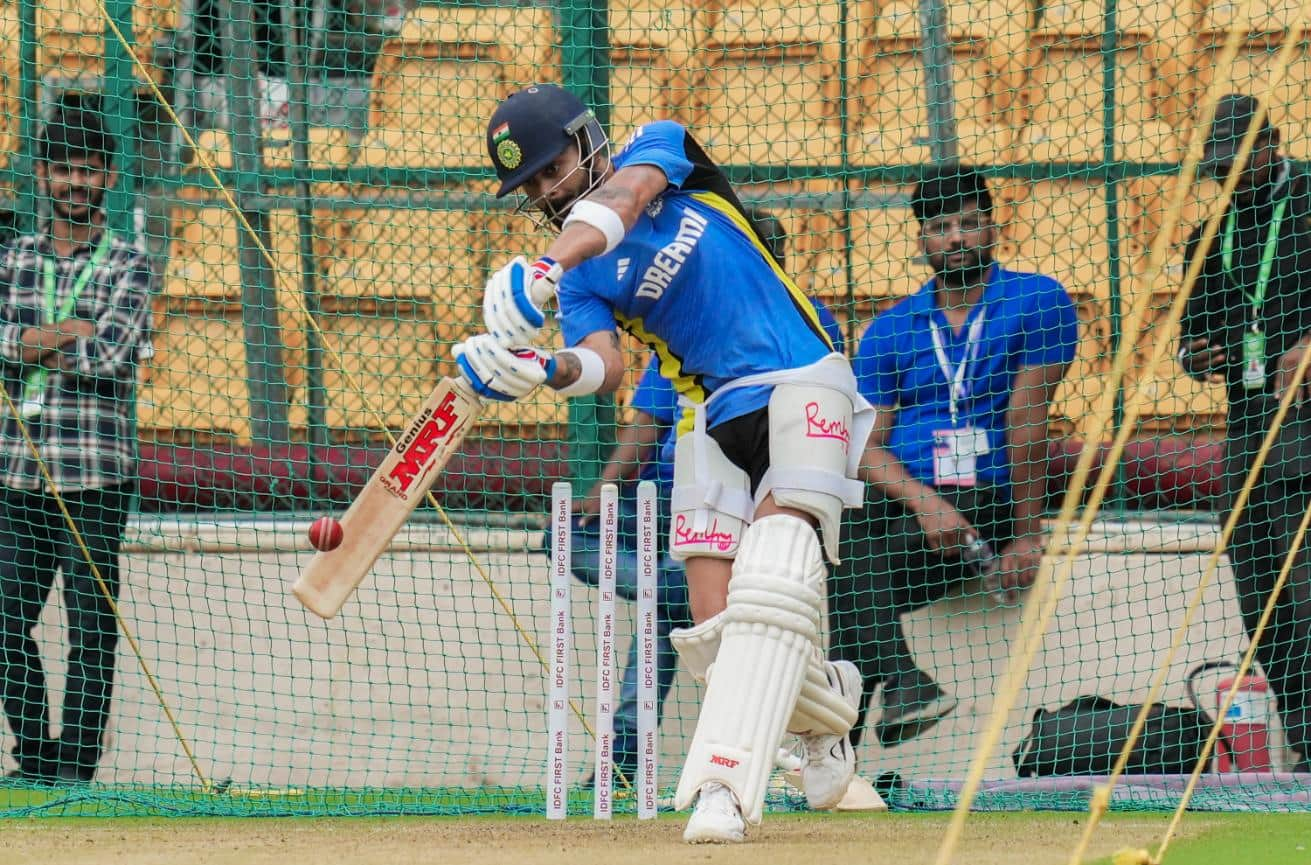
column 669, row 260
column 623, row 269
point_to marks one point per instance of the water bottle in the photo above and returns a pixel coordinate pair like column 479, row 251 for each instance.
column 981, row 561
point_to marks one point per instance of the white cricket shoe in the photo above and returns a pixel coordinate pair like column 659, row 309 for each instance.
column 830, row 761
column 716, row 818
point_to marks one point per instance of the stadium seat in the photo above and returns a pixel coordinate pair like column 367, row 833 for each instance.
column 1146, row 203
column 885, row 260
column 444, row 74
column 414, row 252
column 890, row 122
column 1067, row 115
column 986, row 20
column 204, row 259
column 328, row 149
column 1072, row 18
column 71, row 35
column 651, row 48
column 768, row 92
column 10, row 82
column 1077, row 395
column 1252, row 72
column 1268, row 20
column 391, row 355
column 897, row 25
column 197, row 377
column 1060, row 230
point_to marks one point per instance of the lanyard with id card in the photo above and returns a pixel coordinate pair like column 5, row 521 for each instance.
column 35, row 384
column 956, row 451
column 1254, row 351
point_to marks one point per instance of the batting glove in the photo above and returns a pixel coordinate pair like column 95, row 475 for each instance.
column 500, row 373
column 509, row 309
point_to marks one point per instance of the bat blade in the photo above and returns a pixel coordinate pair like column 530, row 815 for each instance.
column 395, row 490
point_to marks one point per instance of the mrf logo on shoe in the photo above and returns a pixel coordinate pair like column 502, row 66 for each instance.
column 726, row 762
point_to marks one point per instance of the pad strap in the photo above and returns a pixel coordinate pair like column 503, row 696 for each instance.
column 714, row 496
column 850, row 491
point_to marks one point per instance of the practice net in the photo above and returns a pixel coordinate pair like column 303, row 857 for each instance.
column 308, row 189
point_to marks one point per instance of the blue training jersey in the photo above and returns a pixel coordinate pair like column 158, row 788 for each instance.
column 694, row 280
column 655, row 392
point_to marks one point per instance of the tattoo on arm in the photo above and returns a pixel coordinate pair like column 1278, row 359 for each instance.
column 567, row 370
column 615, row 197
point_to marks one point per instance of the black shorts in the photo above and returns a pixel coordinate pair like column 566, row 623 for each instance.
column 745, row 441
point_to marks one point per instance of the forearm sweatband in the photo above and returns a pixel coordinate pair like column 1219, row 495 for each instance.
column 591, row 372
column 600, row 217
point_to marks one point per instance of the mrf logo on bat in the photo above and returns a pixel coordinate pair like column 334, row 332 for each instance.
column 417, row 449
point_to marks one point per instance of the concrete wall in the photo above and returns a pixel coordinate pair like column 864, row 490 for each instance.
column 424, row 680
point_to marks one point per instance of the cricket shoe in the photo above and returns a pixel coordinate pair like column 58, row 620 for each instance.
column 716, row 818
column 830, row 760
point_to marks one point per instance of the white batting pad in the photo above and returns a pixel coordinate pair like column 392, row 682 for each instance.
column 697, row 646
column 820, row 708
column 770, row 633
column 809, row 440
column 711, row 502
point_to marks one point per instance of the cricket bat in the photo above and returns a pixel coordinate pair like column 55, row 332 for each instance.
column 395, row 490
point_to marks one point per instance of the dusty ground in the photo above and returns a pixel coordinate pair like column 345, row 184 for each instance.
column 997, row 839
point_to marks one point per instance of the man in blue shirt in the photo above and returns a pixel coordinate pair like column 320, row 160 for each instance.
column 647, row 443
column 653, row 240
column 962, row 374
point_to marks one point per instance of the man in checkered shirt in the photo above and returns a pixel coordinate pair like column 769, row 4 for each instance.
column 74, row 318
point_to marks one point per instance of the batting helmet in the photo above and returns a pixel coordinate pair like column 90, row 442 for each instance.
column 534, row 126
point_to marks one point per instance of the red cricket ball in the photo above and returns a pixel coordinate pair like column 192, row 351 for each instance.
column 326, row 534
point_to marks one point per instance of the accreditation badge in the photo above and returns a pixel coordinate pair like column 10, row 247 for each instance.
column 1253, row 359
column 955, row 456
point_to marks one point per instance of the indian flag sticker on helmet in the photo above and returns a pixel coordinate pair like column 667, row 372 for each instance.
column 507, row 151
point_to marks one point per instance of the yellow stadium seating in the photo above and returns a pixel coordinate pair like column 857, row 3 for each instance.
column 414, row 252
column 1077, row 394
column 1067, row 116
column 71, row 34
column 204, row 258
column 1252, row 72
column 197, row 378
column 885, row 259
column 1268, row 18
column 768, row 92
column 1060, row 230
column 390, row 355
column 328, row 148
column 1146, row 205
column 652, row 44
column 10, row 82
column 444, row 74
column 889, row 123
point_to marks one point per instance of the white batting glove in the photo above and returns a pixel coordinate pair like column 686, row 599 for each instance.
column 509, row 310
column 500, row 373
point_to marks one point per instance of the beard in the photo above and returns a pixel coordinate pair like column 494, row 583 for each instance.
column 967, row 270
column 81, row 208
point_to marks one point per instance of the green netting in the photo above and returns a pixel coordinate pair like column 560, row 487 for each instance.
column 274, row 318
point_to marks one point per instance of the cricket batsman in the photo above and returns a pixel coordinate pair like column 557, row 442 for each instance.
column 652, row 239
